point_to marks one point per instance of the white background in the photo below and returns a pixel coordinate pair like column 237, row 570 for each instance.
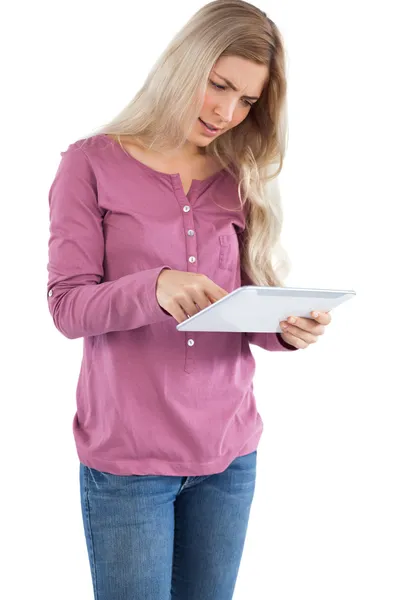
column 325, row 519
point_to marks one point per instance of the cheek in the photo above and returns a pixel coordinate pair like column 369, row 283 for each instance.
column 207, row 102
column 242, row 115
column 239, row 120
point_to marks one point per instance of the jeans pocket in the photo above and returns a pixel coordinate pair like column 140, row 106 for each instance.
column 102, row 480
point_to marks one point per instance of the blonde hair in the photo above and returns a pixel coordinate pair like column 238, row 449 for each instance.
column 162, row 114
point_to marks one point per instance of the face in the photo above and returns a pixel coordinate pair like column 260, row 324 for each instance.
column 224, row 107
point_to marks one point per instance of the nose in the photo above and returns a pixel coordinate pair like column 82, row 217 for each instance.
column 226, row 111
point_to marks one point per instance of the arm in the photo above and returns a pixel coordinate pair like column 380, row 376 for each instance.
column 79, row 303
column 267, row 340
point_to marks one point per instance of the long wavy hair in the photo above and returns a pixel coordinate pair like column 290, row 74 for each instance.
column 163, row 112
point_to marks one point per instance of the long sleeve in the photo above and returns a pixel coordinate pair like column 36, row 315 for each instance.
column 80, row 303
column 267, row 340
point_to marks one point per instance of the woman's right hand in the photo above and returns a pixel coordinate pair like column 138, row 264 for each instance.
column 178, row 293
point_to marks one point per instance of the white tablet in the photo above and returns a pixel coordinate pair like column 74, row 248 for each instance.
column 254, row 308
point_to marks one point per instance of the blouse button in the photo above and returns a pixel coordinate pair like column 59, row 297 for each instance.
column 192, row 259
column 190, row 232
column 50, row 292
column 190, row 342
column 186, row 208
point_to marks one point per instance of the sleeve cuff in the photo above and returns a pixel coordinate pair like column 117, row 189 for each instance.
column 269, row 341
column 155, row 311
column 285, row 344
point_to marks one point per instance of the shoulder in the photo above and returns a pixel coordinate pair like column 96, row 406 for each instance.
column 84, row 145
column 82, row 157
column 94, row 149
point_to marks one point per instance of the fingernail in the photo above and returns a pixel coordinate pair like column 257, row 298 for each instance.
column 292, row 320
column 315, row 314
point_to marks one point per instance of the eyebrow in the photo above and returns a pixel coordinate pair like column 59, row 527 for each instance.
column 235, row 88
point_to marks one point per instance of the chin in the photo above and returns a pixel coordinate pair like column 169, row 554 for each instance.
column 199, row 140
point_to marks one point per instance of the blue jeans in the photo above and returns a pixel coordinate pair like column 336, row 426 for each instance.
column 162, row 537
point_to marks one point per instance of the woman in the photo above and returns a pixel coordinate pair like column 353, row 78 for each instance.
column 152, row 219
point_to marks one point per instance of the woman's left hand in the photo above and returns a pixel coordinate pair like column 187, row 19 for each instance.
column 304, row 331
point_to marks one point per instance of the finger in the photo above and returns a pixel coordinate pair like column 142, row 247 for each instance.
column 304, row 323
column 323, row 317
column 293, row 340
column 301, row 334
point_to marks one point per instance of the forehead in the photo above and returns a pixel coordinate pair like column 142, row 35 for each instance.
column 246, row 76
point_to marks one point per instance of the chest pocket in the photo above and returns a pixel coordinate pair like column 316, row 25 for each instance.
column 228, row 251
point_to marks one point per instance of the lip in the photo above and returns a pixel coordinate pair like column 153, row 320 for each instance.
column 211, row 125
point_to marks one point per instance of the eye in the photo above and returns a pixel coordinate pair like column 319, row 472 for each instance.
column 223, row 87
column 220, row 87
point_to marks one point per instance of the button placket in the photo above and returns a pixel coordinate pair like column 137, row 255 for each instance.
column 189, row 356
column 192, row 259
